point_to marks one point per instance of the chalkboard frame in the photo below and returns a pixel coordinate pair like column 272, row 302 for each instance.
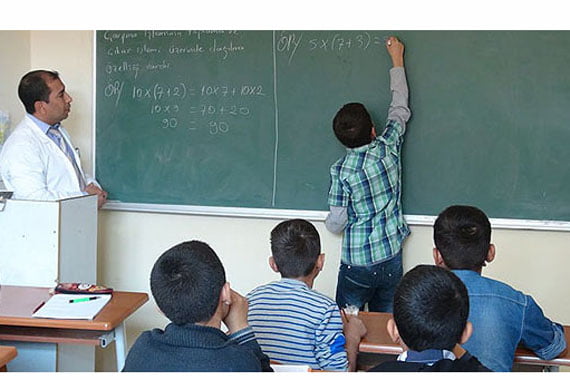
column 315, row 216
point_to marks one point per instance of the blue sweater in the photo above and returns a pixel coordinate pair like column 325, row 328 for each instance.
column 195, row 348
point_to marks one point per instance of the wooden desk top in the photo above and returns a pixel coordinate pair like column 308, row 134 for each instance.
column 17, row 304
column 378, row 341
column 7, row 353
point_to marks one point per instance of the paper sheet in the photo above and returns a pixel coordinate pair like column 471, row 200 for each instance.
column 290, row 368
column 59, row 307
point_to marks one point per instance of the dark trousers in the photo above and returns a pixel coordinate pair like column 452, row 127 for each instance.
column 374, row 284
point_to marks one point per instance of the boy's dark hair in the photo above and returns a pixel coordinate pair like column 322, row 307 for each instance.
column 33, row 87
column 352, row 125
column 431, row 306
column 462, row 234
column 295, row 245
column 186, row 282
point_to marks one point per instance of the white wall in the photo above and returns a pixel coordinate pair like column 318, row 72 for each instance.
column 71, row 54
column 14, row 62
column 534, row 261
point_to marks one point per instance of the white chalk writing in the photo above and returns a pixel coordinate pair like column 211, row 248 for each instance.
column 119, row 36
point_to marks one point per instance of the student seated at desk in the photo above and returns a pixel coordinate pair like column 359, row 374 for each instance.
column 430, row 318
column 293, row 323
column 502, row 317
column 189, row 286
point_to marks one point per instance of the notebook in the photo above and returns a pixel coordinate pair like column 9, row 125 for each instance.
column 81, row 307
column 290, row 368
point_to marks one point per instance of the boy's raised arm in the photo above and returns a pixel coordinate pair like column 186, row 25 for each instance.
column 398, row 110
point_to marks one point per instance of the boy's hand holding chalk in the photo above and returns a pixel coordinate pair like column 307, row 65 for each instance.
column 396, row 50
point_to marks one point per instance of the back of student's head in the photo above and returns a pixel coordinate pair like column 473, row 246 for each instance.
column 462, row 234
column 352, row 125
column 295, row 246
column 34, row 86
column 431, row 306
column 186, row 282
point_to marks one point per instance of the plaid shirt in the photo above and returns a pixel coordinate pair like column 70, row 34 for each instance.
column 367, row 181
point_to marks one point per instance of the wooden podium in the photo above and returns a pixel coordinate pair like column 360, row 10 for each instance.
column 42, row 243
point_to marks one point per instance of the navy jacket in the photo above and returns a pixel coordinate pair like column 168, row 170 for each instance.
column 466, row 363
column 195, row 348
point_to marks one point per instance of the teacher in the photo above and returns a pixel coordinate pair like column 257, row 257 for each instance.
column 38, row 160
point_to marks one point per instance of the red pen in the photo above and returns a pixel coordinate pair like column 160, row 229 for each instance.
column 39, row 307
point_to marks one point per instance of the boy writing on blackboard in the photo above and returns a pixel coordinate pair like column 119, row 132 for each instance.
column 364, row 197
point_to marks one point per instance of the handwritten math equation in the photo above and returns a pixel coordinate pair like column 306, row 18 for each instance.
column 213, row 106
column 291, row 43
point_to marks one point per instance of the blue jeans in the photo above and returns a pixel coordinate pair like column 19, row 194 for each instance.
column 374, row 284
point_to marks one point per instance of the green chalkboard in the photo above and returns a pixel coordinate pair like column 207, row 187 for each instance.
column 243, row 118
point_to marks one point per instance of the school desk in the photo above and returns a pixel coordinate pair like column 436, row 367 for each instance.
column 17, row 304
column 7, row 353
column 377, row 341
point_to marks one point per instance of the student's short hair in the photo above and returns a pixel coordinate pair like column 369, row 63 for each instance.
column 431, row 306
column 33, row 87
column 462, row 234
column 295, row 246
column 186, row 282
column 352, row 125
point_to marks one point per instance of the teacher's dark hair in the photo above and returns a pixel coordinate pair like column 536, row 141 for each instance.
column 33, row 87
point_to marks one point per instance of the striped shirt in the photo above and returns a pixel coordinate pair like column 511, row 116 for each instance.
column 294, row 324
column 367, row 182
